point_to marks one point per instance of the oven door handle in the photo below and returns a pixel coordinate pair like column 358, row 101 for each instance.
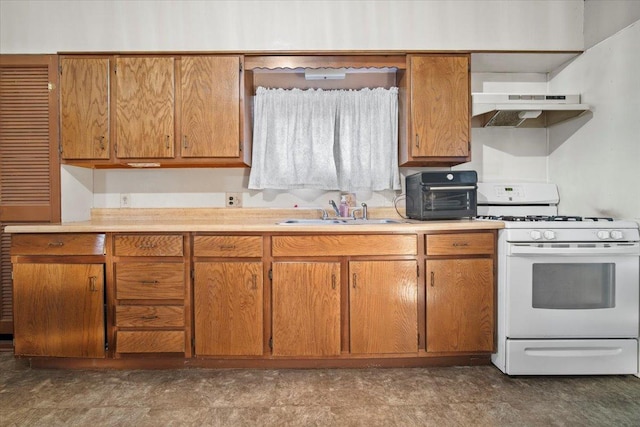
column 617, row 249
column 452, row 187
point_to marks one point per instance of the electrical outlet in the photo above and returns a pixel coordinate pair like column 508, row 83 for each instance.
column 233, row 200
column 125, row 200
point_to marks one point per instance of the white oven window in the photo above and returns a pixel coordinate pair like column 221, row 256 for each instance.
column 573, row 286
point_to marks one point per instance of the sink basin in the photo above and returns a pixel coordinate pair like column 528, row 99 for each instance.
column 337, row 221
column 375, row 221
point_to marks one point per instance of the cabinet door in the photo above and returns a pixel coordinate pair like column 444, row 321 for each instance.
column 210, row 110
column 383, row 306
column 145, row 107
column 306, row 308
column 460, row 305
column 84, row 108
column 228, row 308
column 59, row 310
column 440, row 100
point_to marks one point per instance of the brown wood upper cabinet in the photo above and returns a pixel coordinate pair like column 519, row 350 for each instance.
column 210, row 118
column 145, row 107
column 435, row 116
column 84, row 108
column 173, row 110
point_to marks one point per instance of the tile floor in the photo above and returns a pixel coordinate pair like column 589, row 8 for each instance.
column 456, row 396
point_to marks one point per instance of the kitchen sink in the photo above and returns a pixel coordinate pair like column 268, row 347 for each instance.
column 339, row 221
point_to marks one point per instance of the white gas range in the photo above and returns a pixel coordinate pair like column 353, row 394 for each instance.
column 568, row 286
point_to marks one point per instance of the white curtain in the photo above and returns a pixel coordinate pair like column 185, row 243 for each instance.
column 329, row 140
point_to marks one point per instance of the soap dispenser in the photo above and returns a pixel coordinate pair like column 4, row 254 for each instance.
column 344, row 207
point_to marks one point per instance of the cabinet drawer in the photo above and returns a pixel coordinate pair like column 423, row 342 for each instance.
column 461, row 244
column 227, row 246
column 148, row 245
column 339, row 245
column 150, row 342
column 142, row 280
column 57, row 244
column 149, row 316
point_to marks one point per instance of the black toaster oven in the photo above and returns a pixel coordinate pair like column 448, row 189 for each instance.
column 441, row 195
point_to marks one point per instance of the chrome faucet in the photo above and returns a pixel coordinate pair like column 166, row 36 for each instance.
column 364, row 211
column 324, row 213
column 335, row 207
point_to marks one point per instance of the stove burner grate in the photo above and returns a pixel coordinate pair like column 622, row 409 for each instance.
column 539, row 218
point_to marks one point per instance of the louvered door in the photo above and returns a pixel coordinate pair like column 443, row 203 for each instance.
column 29, row 165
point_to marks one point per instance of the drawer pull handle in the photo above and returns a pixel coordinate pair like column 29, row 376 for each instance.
column 456, row 245
column 92, row 284
column 333, row 281
column 417, row 141
column 146, row 246
column 184, row 141
column 433, row 279
column 55, row 244
column 149, row 317
column 355, row 280
column 227, row 247
column 167, row 137
column 149, row 282
column 101, row 142
column 254, row 281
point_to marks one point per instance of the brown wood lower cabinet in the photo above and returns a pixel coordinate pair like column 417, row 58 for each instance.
column 259, row 299
column 383, row 307
column 150, row 295
column 58, row 295
column 228, row 308
column 306, row 308
column 58, row 310
column 460, row 289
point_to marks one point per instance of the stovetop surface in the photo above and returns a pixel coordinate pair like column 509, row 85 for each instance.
column 544, row 218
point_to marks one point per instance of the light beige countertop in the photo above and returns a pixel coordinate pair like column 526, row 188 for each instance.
column 239, row 220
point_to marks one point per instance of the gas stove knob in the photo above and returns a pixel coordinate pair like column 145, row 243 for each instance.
column 603, row 234
column 616, row 234
column 549, row 234
column 535, row 234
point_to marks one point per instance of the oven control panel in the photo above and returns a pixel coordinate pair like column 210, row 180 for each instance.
column 517, row 194
column 537, row 233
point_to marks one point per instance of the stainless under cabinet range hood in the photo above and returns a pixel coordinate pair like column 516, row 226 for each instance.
column 524, row 110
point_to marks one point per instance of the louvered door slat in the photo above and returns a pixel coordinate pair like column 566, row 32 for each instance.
column 6, row 289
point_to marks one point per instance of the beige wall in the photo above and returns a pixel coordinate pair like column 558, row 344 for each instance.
column 48, row 26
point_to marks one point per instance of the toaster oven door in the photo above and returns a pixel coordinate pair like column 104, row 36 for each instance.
column 455, row 201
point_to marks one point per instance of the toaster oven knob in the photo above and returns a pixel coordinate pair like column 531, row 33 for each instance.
column 616, row 235
column 549, row 234
column 603, row 234
column 535, row 234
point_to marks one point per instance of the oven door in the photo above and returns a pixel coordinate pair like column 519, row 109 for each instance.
column 572, row 290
